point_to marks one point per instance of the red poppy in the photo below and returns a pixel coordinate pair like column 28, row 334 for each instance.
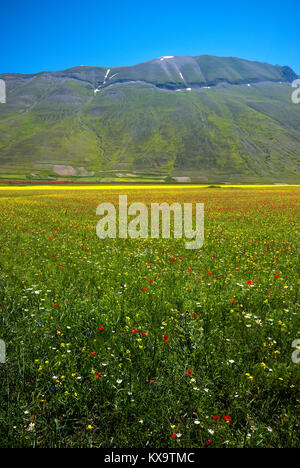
column 134, row 331
column 227, row 418
column 249, row 282
column 276, row 276
column 189, row 372
column 144, row 289
column 208, row 442
column 98, row 375
column 172, row 259
column 101, row 328
column 216, row 418
column 173, row 435
column 166, row 338
column 179, row 258
column 54, row 255
column 144, row 334
column 93, row 353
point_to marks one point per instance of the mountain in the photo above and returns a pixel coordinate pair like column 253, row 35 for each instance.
column 205, row 119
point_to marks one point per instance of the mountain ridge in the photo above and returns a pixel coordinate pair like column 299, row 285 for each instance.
column 253, row 71
column 203, row 118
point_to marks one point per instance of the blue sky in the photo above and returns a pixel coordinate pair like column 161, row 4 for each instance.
column 43, row 35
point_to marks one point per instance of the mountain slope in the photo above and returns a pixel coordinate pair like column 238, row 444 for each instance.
column 207, row 118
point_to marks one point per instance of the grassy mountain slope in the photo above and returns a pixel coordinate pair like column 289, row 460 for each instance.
column 236, row 123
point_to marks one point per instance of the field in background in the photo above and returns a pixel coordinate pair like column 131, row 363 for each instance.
column 135, row 343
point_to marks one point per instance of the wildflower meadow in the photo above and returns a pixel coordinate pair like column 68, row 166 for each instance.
column 140, row 342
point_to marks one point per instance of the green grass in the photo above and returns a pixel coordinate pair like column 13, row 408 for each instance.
column 59, row 284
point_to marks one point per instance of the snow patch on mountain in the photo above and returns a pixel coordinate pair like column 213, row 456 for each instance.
column 107, row 73
column 112, row 76
column 97, row 90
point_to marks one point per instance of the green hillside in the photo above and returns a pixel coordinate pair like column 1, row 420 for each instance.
column 203, row 118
